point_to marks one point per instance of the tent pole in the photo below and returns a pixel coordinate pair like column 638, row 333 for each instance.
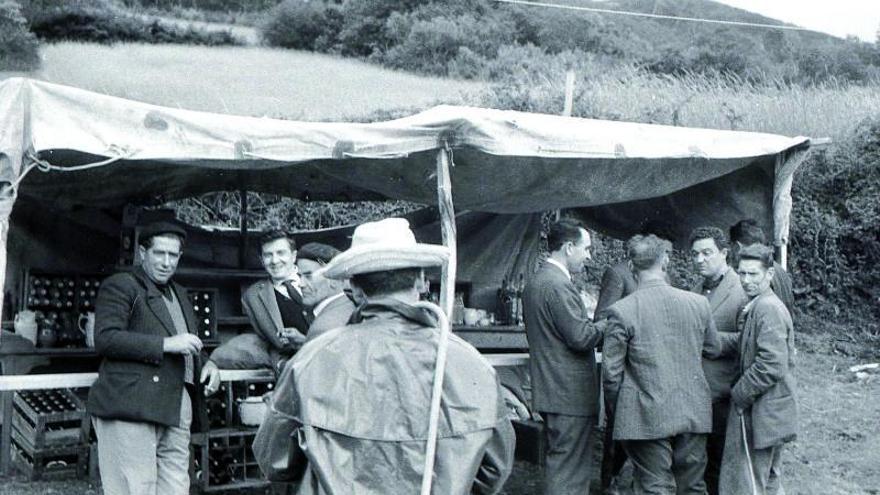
column 12, row 168
column 447, row 224
column 785, row 169
column 447, row 295
column 242, row 226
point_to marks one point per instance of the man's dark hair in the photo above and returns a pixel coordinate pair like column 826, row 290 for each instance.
column 274, row 235
column 147, row 242
column 714, row 233
column 565, row 230
column 317, row 252
column 759, row 252
column 747, row 231
column 644, row 251
column 386, row 282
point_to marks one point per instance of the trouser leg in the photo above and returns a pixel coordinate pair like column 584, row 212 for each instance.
column 689, row 463
column 613, row 455
column 127, row 456
column 652, row 466
column 768, row 470
column 172, row 452
column 715, row 444
column 568, row 462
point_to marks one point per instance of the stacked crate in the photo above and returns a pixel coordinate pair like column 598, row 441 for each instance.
column 50, row 432
column 222, row 458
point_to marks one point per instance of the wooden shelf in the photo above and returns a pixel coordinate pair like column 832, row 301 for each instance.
column 52, row 352
column 228, row 321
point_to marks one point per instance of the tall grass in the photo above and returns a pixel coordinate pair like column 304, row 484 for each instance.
column 830, row 109
column 244, row 80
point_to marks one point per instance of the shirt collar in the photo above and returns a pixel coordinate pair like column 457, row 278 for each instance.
column 326, row 302
column 560, row 266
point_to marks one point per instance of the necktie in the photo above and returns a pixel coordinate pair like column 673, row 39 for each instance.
column 292, row 291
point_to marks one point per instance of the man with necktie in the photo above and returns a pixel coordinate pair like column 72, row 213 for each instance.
column 275, row 306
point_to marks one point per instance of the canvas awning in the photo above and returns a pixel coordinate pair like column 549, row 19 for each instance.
column 504, row 161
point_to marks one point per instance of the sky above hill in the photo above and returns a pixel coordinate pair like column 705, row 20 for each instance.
column 837, row 17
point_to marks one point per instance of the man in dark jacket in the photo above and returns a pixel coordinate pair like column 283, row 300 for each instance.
column 764, row 396
column 562, row 339
column 720, row 284
column 747, row 232
column 148, row 387
column 350, row 412
column 654, row 380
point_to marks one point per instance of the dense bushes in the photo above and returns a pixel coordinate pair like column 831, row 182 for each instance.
column 461, row 38
column 19, row 50
column 105, row 21
column 835, row 241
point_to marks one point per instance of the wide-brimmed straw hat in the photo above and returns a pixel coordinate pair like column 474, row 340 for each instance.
column 384, row 245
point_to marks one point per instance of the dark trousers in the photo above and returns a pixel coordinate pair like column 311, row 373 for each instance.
column 568, row 460
column 668, row 465
column 613, row 455
column 715, row 444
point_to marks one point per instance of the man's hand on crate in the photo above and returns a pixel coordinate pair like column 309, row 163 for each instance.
column 210, row 377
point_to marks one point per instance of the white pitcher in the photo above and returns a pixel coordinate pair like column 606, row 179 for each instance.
column 86, row 325
column 25, row 325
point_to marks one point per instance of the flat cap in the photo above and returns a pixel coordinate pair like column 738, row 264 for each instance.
column 162, row 227
column 317, row 252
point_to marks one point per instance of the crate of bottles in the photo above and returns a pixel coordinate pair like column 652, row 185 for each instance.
column 58, row 301
column 204, row 304
column 224, row 460
column 44, row 419
column 52, row 463
column 222, row 407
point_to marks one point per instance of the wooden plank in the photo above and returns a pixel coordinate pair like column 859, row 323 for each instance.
column 501, row 360
column 76, row 380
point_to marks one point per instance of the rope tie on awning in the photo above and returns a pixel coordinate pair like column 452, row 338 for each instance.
column 35, row 161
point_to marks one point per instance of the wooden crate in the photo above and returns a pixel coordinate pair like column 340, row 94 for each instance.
column 224, row 460
column 51, row 463
column 49, row 418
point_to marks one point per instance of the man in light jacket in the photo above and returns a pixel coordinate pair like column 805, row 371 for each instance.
column 350, row 412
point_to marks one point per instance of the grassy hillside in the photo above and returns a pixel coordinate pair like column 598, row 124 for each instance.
column 244, row 80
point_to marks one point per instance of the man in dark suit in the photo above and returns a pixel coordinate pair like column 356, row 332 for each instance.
column 562, row 338
column 330, row 302
column 747, row 232
column 275, row 306
column 720, row 284
column 148, row 391
column 764, row 396
column 654, row 380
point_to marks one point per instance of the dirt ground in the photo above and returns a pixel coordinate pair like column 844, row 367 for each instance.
column 837, row 452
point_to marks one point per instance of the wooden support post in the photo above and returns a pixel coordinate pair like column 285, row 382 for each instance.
column 447, row 295
column 243, row 228
column 447, row 224
column 569, row 94
column 785, row 169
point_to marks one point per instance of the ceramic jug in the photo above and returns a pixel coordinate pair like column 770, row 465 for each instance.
column 86, row 325
column 25, row 325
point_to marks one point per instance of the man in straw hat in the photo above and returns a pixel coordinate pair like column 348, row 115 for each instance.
column 351, row 410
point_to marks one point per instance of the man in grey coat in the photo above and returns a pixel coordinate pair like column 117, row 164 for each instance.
column 764, row 416
column 654, row 380
column 561, row 338
column 720, row 284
